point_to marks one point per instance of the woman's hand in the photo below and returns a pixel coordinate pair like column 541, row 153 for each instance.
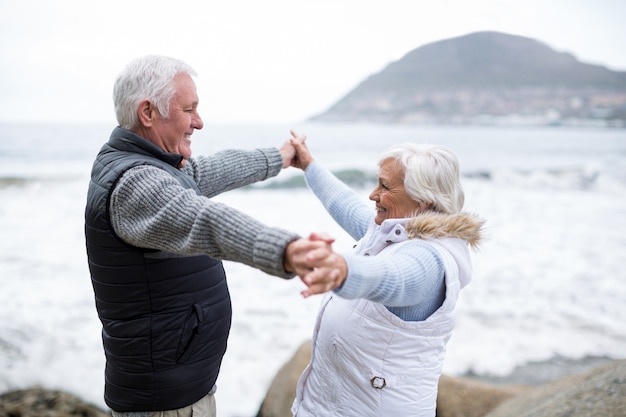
column 303, row 255
column 329, row 269
column 303, row 157
column 315, row 262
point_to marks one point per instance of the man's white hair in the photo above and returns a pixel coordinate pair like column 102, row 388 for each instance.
column 149, row 77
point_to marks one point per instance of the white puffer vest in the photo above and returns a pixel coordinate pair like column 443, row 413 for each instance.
column 366, row 361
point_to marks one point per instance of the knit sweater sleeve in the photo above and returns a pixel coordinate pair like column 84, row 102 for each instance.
column 341, row 202
column 409, row 281
column 150, row 209
column 230, row 169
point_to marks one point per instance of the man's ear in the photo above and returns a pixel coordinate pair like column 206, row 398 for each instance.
column 146, row 112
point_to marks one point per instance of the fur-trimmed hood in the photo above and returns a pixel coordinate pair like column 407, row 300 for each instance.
column 433, row 225
column 453, row 235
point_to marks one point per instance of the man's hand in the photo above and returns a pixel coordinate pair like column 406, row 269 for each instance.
column 314, row 261
column 288, row 152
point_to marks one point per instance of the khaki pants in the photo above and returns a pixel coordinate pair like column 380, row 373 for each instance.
column 205, row 407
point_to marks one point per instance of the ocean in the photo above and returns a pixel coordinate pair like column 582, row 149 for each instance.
column 549, row 282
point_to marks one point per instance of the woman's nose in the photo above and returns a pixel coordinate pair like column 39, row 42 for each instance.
column 374, row 194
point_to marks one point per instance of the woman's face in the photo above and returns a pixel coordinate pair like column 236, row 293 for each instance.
column 392, row 201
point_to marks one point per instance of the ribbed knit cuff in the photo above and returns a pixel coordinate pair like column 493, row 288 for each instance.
column 274, row 161
column 269, row 251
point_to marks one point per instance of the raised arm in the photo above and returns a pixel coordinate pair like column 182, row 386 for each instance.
column 341, row 201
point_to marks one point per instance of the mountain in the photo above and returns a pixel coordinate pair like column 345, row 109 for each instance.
column 485, row 76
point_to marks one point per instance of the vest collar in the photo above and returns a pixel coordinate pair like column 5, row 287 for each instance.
column 125, row 140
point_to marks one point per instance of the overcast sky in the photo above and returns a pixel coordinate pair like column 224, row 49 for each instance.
column 260, row 61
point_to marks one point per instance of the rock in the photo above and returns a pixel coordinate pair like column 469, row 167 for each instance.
column 464, row 397
column 600, row 392
column 458, row 397
column 282, row 391
column 39, row 402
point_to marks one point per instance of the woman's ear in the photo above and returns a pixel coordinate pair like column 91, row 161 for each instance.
column 422, row 207
column 146, row 113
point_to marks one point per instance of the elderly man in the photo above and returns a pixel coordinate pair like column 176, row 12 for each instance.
column 155, row 242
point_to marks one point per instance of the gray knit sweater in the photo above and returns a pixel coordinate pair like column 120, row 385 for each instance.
column 149, row 208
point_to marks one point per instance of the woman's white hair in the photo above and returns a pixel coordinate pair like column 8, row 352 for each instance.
column 431, row 175
column 149, row 77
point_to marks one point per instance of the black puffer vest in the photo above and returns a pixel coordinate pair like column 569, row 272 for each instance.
column 165, row 317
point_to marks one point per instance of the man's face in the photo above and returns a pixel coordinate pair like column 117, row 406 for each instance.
column 174, row 133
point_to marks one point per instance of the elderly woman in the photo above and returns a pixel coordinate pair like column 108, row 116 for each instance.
column 380, row 337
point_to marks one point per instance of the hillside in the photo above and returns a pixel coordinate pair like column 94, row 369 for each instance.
column 486, row 77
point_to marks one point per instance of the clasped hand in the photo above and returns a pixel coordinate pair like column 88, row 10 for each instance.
column 315, row 262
